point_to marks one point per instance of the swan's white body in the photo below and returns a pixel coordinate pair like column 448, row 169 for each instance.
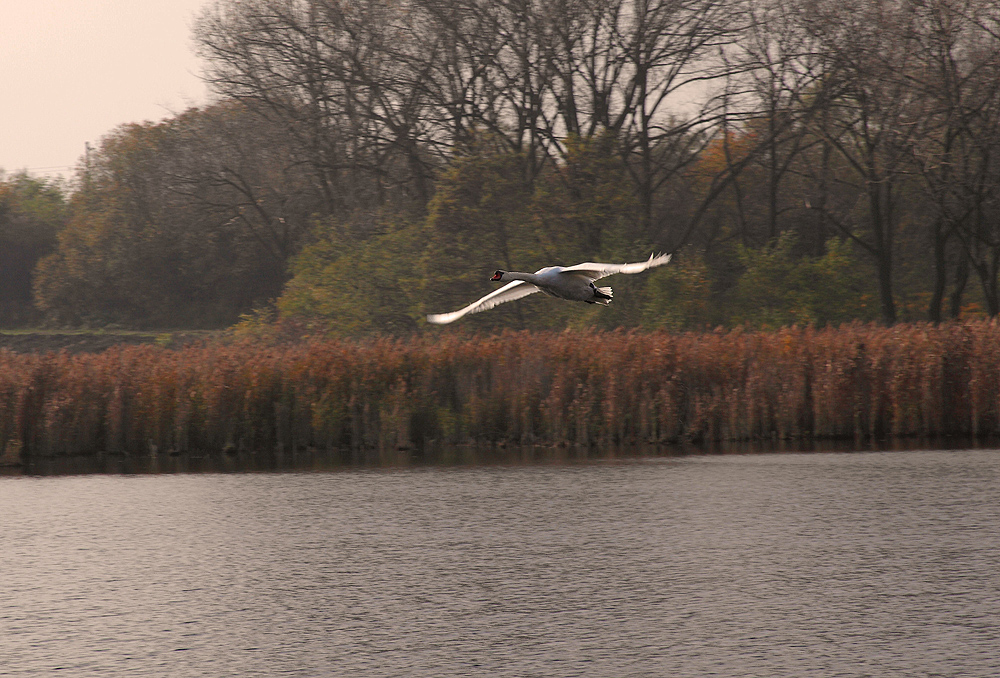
column 575, row 283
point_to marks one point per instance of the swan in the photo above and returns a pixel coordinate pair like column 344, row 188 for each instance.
column 575, row 283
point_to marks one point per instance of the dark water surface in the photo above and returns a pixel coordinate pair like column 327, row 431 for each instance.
column 866, row 564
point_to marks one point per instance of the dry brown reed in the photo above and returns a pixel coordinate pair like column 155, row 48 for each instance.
column 617, row 388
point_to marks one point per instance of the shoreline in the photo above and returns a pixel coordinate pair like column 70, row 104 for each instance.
column 75, row 342
column 454, row 456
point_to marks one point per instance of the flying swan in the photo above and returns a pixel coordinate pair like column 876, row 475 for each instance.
column 575, row 283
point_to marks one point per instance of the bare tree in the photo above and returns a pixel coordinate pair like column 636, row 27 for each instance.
column 320, row 69
column 769, row 102
column 957, row 75
column 373, row 87
column 237, row 172
column 866, row 121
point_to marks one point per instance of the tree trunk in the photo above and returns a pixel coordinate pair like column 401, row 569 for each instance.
column 884, row 265
column 989, row 284
column 940, row 272
column 961, row 279
column 882, row 227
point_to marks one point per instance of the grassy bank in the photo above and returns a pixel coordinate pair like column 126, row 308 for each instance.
column 93, row 341
column 855, row 382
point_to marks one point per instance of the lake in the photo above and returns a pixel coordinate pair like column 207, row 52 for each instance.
column 860, row 564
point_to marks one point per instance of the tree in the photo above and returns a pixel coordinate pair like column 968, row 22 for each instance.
column 476, row 223
column 380, row 95
column 780, row 288
column 679, row 296
column 957, row 49
column 327, row 293
column 868, row 106
column 32, row 211
column 338, row 78
column 184, row 222
column 584, row 208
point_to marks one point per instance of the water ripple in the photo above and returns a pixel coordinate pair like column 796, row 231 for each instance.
column 880, row 564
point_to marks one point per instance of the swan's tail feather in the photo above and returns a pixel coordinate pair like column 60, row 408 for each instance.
column 603, row 295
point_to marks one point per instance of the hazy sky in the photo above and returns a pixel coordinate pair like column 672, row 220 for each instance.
column 73, row 70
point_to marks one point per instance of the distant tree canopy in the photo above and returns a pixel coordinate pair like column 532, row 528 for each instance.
column 370, row 161
column 32, row 212
column 189, row 221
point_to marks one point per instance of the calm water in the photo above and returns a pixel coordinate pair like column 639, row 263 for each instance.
column 869, row 564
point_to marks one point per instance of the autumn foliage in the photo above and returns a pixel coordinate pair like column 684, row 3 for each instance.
column 365, row 399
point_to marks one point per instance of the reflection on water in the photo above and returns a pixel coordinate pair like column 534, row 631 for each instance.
column 447, row 455
column 869, row 564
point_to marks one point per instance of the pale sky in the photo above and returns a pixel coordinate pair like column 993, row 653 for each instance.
column 73, row 70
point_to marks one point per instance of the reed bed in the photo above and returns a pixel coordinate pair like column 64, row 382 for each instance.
column 368, row 399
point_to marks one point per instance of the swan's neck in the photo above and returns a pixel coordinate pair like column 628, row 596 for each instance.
column 517, row 275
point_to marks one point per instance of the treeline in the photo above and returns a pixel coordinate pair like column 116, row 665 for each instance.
column 369, row 400
column 368, row 161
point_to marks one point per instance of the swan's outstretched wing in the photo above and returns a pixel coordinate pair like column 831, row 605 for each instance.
column 508, row 292
column 598, row 271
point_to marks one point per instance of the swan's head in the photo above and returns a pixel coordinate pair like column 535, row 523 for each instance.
column 497, row 275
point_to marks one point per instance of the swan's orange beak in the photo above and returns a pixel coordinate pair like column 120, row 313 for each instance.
column 497, row 276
